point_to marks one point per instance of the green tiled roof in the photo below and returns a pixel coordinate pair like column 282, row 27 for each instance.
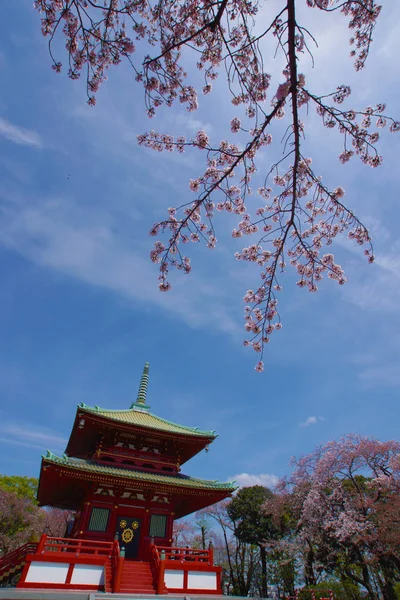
column 143, row 418
column 182, row 481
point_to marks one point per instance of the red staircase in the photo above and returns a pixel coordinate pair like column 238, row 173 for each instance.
column 108, row 576
column 12, row 563
column 137, row 578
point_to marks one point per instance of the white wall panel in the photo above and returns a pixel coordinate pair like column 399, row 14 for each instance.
column 45, row 572
column 173, row 579
column 201, row 580
column 88, row 574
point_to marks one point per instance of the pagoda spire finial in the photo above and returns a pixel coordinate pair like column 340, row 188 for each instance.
column 142, row 393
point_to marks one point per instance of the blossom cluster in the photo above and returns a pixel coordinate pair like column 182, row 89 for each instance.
column 93, row 43
column 358, row 134
column 362, row 20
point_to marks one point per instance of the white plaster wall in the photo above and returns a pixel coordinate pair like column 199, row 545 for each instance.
column 173, row 579
column 201, row 580
column 88, row 574
column 44, row 572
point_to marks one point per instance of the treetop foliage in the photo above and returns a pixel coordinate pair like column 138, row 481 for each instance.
column 25, row 487
column 251, row 524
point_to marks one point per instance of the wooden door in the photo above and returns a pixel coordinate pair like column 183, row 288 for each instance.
column 128, row 529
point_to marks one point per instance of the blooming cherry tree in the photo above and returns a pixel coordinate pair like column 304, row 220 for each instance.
column 345, row 497
column 20, row 521
column 294, row 215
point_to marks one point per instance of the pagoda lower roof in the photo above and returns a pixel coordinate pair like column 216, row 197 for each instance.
column 144, row 418
column 177, row 480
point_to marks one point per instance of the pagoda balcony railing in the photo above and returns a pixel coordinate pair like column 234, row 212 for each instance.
column 175, row 569
column 130, row 454
column 77, row 546
column 186, row 555
column 66, row 563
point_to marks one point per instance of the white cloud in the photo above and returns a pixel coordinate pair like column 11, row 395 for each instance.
column 248, row 479
column 94, row 248
column 19, row 135
column 7, row 441
column 313, row 420
column 387, row 375
column 29, row 435
column 376, row 287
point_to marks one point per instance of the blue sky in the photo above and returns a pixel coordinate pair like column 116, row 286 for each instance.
column 80, row 311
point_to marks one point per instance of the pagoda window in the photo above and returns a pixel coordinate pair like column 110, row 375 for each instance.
column 99, row 519
column 158, row 525
column 169, row 469
column 148, row 466
column 128, row 462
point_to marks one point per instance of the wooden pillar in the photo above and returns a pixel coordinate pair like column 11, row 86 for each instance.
column 219, row 585
column 170, row 528
column 84, row 520
column 41, row 544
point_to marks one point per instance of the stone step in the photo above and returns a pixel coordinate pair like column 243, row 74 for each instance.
column 131, row 590
column 141, row 578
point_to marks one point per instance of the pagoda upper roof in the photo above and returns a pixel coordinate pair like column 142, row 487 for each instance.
column 176, row 479
column 143, row 418
column 93, row 424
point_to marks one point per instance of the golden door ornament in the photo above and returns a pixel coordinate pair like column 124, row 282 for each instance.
column 127, row 535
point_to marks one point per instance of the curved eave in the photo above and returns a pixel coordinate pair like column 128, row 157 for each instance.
column 89, row 471
column 165, row 425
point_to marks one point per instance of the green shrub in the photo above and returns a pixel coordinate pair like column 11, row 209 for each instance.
column 340, row 591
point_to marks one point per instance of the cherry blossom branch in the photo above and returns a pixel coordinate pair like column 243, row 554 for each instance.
column 296, row 216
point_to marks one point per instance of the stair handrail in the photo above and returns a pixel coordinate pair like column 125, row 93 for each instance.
column 157, row 564
column 154, row 562
column 15, row 556
column 117, row 566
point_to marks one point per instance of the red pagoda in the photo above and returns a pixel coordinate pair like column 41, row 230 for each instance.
column 121, row 474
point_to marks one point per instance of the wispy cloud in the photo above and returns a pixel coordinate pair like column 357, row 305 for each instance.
column 19, row 135
column 95, row 250
column 7, row 441
column 30, row 435
column 387, row 375
column 313, row 420
column 249, row 479
column 376, row 287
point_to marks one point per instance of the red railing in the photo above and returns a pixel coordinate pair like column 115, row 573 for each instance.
column 73, row 552
column 134, row 456
column 14, row 558
column 184, row 560
column 77, row 546
column 117, row 566
column 157, row 572
column 187, row 554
